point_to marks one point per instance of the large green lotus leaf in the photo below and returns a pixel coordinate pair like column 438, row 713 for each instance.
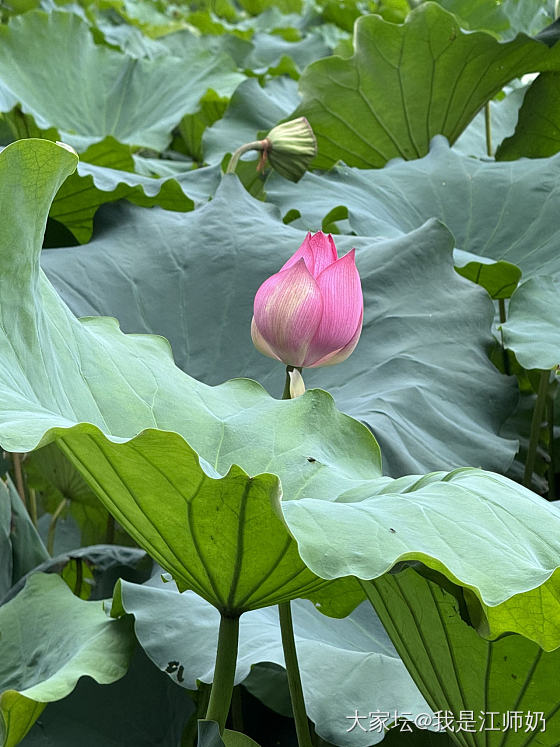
column 256, row 7
column 354, row 650
column 395, row 513
column 209, row 736
column 28, row 550
column 537, row 134
column 102, row 566
column 217, row 548
column 6, row 557
column 503, row 118
column 51, row 65
column 458, row 671
column 506, row 18
column 506, row 211
column 107, row 174
column 528, row 17
column 499, row 278
column 142, row 709
column 129, row 39
column 154, row 19
column 268, row 682
column 192, row 126
column 270, row 49
column 50, row 639
column 48, row 471
column 532, row 329
column 271, row 43
column 478, row 14
column 21, row 547
column 420, row 376
column 177, row 44
column 122, row 410
column 404, row 84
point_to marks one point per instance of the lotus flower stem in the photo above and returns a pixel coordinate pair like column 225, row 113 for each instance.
column 552, row 465
column 18, row 476
column 33, row 506
column 294, row 679
column 79, row 577
column 254, row 145
column 488, row 128
column 503, row 319
column 536, row 423
column 224, row 671
column 289, row 646
column 52, row 526
column 286, row 392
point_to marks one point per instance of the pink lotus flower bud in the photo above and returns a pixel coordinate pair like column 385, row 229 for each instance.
column 310, row 312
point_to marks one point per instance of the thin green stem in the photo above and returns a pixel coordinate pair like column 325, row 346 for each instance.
column 79, row 577
column 294, row 679
column 502, row 308
column 552, row 464
column 33, row 506
column 286, row 392
column 52, row 526
column 488, row 128
column 18, row 476
column 255, row 145
column 289, row 646
column 536, row 424
column 224, row 671
column 503, row 317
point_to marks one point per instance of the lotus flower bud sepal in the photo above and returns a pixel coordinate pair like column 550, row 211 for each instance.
column 291, row 146
column 310, row 313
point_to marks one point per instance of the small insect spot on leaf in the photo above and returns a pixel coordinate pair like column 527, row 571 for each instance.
column 311, row 459
column 393, row 531
column 180, row 673
column 171, row 667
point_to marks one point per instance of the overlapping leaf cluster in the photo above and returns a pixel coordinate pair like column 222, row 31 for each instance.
column 244, row 499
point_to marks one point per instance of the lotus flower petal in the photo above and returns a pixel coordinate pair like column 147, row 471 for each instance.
column 341, row 291
column 287, row 312
column 340, row 355
column 260, row 343
column 317, row 251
